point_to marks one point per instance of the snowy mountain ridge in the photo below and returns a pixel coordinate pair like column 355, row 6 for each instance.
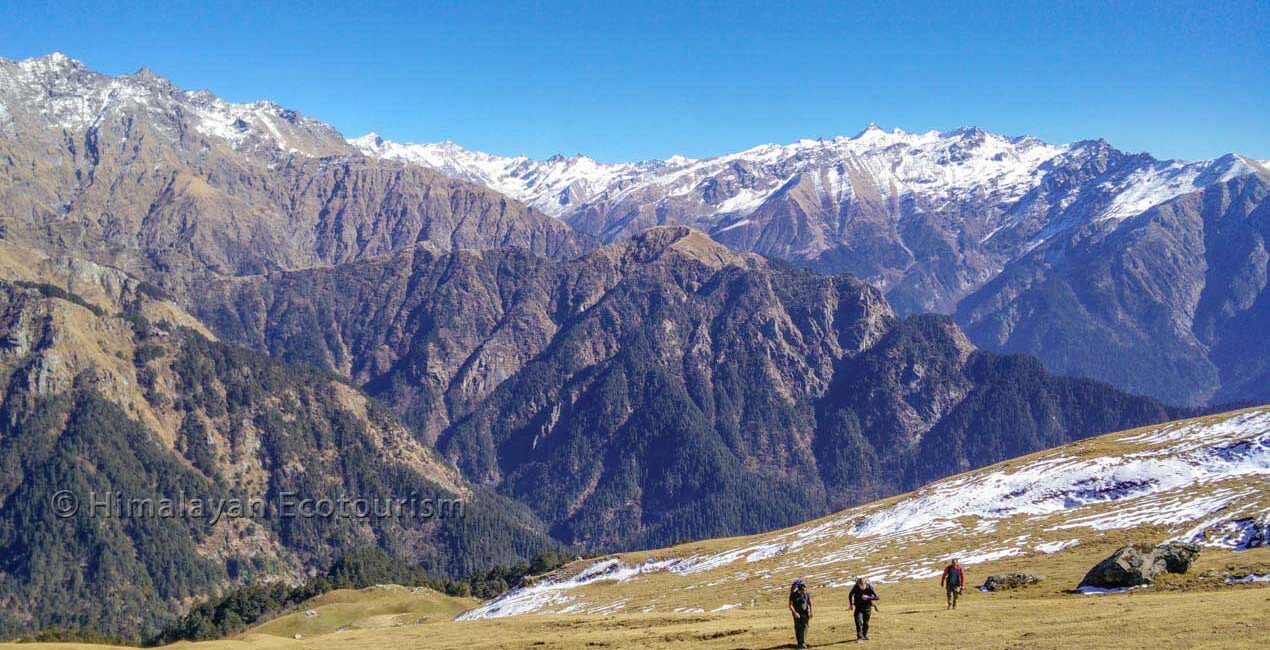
column 928, row 217
column 1105, row 264
column 72, row 97
column 936, row 164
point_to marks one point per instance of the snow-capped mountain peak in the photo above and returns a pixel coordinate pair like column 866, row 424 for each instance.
column 56, row 92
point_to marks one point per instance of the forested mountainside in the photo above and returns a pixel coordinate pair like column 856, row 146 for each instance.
column 170, row 184
column 1035, row 247
column 111, row 396
column 665, row 388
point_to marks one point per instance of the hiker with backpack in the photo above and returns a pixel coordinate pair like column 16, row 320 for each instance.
column 951, row 581
column 862, row 599
column 800, row 607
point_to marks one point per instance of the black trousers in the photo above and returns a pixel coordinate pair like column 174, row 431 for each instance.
column 800, row 630
column 862, row 621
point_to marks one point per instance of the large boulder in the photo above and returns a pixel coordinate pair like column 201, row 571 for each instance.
column 1006, row 581
column 1139, row 564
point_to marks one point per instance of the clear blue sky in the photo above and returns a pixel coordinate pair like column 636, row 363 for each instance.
column 639, row 81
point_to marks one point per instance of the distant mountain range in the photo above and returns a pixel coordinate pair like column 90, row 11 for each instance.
column 172, row 184
column 1141, row 272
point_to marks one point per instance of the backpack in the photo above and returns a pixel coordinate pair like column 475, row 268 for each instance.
column 800, row 600
column 954, row 577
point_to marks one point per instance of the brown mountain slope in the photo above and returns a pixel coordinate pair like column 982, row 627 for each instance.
column 171, row 184
column 1171, row 302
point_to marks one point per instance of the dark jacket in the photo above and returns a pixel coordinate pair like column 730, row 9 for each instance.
column 862, row 598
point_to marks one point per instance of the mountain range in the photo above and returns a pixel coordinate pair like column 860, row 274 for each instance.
column 170, row 184
column 1145, row 273
column 664, row 387
column 1148, row 274
column 230, row 299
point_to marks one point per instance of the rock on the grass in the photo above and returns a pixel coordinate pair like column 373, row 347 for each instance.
column 1139, row 564
column 1014, row 580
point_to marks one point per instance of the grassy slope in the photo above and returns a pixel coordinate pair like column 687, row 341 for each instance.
column 375, row 607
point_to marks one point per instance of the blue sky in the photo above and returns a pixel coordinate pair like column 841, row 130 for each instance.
column 634, row 81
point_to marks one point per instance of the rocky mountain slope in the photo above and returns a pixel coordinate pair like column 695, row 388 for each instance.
column 956, row 222
column 1202, row 481
column 171, row 184
column 665, row 387
column 1172, row 302
column 112, row 396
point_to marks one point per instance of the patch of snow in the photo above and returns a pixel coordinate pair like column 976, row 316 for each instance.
column 523, row 600
column 1154, row 184
column 1054, row 547
column 1235, row 534
column 1250, row 578
column 735, row 224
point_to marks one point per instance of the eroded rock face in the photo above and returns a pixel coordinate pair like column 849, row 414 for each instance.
column 1140, row 564
column 1008, row 581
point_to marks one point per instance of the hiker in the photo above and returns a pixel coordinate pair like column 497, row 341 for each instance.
column 800, row 607
column 951, row 581
column 862, row 599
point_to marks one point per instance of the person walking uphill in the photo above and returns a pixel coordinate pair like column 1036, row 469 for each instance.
column 800, row 607
column 951, row 581
column 861, row 600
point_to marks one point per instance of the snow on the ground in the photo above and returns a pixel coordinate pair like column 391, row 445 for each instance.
column 1195, row 478
column 1054, row 547
column 1099, row 591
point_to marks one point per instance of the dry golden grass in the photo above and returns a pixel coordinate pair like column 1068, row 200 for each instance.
column 376, row 607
